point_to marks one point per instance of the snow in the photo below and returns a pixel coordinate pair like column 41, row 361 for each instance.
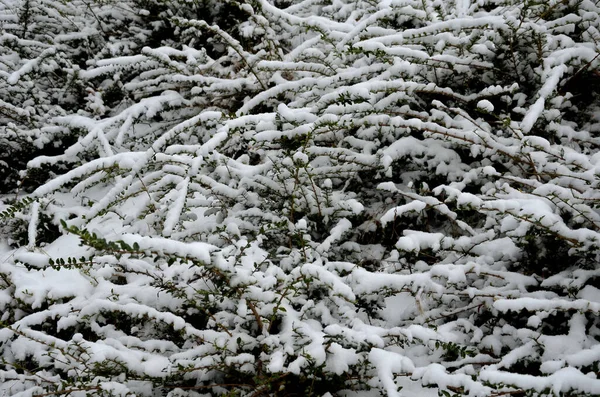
column 533, row 304
column 196, row 250
column 562, row 381
column 400, row 196
column 413, row 206
column 340, row 359
column 416, row 241
column 387, row 364
column 485, row 105
column 175, row 211
column 30, row 65
column 33, row 224
column 336, row 234
column 36, row 287
column 551, row 84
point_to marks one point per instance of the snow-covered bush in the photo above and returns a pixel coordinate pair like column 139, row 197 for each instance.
column 309, row 197
column 40, row 44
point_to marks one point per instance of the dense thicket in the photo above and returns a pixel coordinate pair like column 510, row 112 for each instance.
column 253, row 197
